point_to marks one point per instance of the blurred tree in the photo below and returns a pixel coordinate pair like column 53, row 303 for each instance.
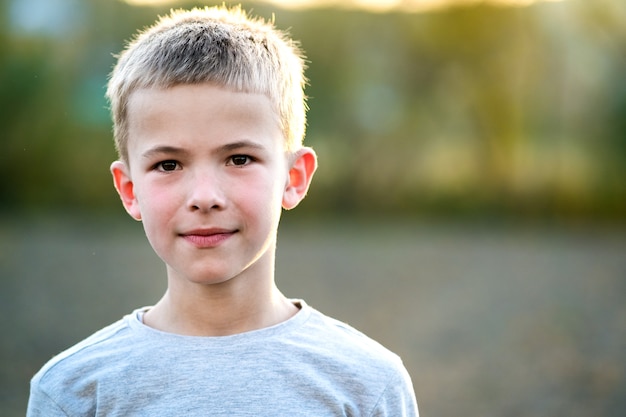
column 477, row 109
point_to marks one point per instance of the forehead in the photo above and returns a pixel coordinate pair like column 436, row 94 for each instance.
column 200, row 113
column 204, row 98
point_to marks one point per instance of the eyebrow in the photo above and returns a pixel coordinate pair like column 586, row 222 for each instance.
column 173, row 150
column 165, row 149
column 241, row 144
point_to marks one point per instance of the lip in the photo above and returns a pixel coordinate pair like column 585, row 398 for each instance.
column 207, row 238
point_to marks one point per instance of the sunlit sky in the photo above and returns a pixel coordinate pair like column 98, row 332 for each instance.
column 372, row 5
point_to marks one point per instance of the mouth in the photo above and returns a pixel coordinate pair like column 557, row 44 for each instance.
column 208, row 238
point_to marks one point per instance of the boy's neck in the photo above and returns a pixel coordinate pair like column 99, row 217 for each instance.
column 219, row 310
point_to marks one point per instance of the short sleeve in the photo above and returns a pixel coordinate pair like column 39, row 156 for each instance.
column 398, row 399
column 41, row 405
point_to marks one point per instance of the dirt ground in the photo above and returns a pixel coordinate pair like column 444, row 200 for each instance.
column 490, row 321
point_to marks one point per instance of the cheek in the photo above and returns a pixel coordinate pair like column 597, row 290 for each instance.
column 268, row 192
column 157, row 213
column 259, row 198
column 157, row 202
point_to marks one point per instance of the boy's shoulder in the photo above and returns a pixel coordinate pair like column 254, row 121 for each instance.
column 89, row 350
column 310, row 336
column 341, row 339
column 127, row 364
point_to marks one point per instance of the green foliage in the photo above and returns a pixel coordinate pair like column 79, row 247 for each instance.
column 476, row 110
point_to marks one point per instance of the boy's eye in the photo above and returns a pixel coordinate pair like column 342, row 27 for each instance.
column 239, row 160
column 167, row 166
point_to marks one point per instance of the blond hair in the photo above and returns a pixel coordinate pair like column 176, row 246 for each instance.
column 218, row 45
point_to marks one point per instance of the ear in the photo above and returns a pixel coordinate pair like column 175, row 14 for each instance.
column 125, row 188
column 303, row 166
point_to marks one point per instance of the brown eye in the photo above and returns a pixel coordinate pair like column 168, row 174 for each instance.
column 167, row 165
column 239, row 159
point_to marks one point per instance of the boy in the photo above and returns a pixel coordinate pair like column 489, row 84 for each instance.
column 209, row 116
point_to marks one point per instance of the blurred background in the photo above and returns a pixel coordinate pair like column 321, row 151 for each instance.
column 469, row 211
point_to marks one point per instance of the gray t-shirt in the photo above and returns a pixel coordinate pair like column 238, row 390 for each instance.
column 309, row 365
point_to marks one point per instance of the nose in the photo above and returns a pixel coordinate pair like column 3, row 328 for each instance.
column 206, row 192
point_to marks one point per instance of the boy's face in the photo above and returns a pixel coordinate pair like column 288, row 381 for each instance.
column 208, row 175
